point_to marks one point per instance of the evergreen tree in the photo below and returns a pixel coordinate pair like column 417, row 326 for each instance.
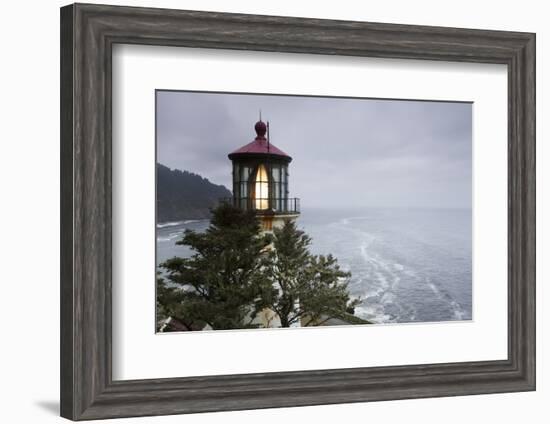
column 303, row 287
column 221, row 283
column 170, row 303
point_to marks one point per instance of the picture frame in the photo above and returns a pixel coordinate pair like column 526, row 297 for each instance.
column 88, row 33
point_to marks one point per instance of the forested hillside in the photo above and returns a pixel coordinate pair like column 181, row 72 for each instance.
column 183, row 195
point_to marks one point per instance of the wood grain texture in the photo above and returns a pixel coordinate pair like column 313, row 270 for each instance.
column 66, row 212
column 88, row 33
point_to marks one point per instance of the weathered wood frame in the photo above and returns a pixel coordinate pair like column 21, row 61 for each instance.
column 88, row 33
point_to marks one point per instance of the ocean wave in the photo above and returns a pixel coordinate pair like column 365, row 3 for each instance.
column 371, row 291
column 176, row 223
column 363, row 248
column 433, row 288
column 456, row 310
column 170, row 237
column 374, row 314
column 381, row 278
column 388, row 298
column 169, row 224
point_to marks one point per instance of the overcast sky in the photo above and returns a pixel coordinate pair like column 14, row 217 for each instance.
column 345, row 152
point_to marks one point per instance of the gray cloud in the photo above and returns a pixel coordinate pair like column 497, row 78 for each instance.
column 346, row 152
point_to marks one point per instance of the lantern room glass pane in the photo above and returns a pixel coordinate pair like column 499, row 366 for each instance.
column 243, row 189
column 276, row 173
column 261, row 189
column 245, row 173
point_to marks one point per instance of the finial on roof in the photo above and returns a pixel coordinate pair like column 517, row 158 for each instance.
column 260, row 128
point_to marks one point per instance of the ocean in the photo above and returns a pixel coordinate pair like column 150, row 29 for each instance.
column 407, row 265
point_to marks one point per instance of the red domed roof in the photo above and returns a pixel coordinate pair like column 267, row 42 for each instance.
column 259, row 145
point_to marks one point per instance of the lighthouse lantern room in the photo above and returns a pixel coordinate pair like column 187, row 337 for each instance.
column 260, row 180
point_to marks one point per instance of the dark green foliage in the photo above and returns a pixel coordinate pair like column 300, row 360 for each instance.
column 304, row 287
column 184, row 195
column 171, row 303
column 221, row 283
column 234, row 273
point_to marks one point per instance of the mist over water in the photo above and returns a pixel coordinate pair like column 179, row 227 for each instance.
column 407, row 265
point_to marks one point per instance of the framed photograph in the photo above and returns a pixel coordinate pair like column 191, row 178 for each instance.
column 263, row 211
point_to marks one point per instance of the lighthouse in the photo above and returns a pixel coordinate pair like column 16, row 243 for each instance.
column 260, row 180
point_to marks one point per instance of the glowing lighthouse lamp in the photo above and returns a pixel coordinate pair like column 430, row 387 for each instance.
column 260, row 180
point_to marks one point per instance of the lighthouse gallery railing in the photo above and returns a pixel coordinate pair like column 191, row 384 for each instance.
column 277, row 205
